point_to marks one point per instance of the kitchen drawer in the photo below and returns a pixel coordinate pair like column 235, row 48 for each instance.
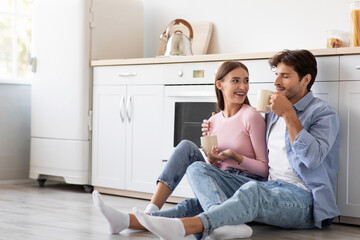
column 191, row 73
column 350, row 67
column 328, row 69
column 135, row 74
column 259, row 71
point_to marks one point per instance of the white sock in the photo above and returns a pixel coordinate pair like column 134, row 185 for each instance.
column 231, row 232
column 165, row 228
column 151, row 207
column 117, row 220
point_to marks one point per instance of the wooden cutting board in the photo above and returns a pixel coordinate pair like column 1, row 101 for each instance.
column 202, row 34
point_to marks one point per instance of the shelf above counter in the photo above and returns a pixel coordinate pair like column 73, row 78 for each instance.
column 217, row 57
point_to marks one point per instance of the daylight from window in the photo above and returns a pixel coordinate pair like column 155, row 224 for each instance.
column 15, row 32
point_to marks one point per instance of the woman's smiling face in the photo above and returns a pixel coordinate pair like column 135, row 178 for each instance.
column 234, row 86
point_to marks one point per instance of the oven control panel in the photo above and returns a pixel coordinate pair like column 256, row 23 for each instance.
column 194, row 73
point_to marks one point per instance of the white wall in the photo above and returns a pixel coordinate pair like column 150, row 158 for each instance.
column 14, row 131
column 242, row 26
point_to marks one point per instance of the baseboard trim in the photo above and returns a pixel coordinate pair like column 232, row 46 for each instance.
column 134, row 194
column 17, row 181
column 349, row 220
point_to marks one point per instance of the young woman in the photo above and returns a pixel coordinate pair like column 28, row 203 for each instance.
column 241, row 151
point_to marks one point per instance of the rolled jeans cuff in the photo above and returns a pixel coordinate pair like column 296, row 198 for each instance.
column 206, row 224
column 167, row 183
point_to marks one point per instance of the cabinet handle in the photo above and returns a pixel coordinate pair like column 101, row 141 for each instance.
column 31, row 60
column 128, row 108
column 127, row 74
column 357, row 67
column 122, row 101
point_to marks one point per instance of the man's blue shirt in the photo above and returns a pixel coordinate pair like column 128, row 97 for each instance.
column 314, row 154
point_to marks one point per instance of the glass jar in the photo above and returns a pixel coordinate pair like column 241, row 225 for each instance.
column 355, row 24
column 335, row 39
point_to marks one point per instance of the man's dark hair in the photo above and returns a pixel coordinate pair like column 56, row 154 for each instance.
column 302, row 61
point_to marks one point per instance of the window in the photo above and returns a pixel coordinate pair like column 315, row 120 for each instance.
column 15, row 31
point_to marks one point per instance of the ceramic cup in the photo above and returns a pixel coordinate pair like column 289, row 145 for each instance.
column 263, row 100
column 207, row 142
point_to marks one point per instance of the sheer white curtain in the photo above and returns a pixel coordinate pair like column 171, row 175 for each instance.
column 15, row 31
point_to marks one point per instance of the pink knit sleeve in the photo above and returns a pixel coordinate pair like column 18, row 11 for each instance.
column 256, row 127
column 257, row 130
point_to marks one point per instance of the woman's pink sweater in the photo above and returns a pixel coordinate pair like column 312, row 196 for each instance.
column 244, row 133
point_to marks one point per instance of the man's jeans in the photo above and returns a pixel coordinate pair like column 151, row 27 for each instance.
column 223, row 198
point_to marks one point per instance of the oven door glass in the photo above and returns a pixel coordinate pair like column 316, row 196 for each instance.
column 188, row 119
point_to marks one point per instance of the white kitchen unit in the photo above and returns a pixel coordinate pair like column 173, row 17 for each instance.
column 109, row 136
column 349, row 164
column 67, row 35
column 337, row 82
column 127, row 126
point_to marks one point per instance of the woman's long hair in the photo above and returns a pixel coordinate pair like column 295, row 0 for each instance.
column 223, row 70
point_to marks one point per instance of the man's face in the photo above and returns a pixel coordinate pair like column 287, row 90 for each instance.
column 288, row 83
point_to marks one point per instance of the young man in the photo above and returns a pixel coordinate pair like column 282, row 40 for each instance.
column 303, row 143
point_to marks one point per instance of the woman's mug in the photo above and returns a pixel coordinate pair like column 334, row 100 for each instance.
column 207, row 142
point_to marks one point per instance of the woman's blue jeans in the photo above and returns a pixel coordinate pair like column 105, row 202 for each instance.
column 185, row 154
column 223, row 198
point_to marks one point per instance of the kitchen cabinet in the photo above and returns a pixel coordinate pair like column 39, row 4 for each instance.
column 349, row 164
column 127, row 122
column 118, row 153
column 109, row 137
column 143, row 148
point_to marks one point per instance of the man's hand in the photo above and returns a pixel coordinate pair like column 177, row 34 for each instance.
column 280, row 105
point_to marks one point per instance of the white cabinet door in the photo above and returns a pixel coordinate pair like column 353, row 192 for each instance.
column 327, row 91
column 349, row 164
column 144, row 110
column 108, row 153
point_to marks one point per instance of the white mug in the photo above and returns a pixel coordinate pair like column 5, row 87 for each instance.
column 207, row 142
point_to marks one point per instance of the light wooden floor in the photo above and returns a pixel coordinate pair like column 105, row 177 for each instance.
column 60, row 211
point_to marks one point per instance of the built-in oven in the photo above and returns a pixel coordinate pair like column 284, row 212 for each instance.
column 189, row 99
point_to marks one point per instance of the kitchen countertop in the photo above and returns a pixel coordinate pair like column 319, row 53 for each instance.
column 217, row 57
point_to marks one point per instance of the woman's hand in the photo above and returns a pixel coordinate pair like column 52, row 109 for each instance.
column 205, row 127
column 221, row 156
